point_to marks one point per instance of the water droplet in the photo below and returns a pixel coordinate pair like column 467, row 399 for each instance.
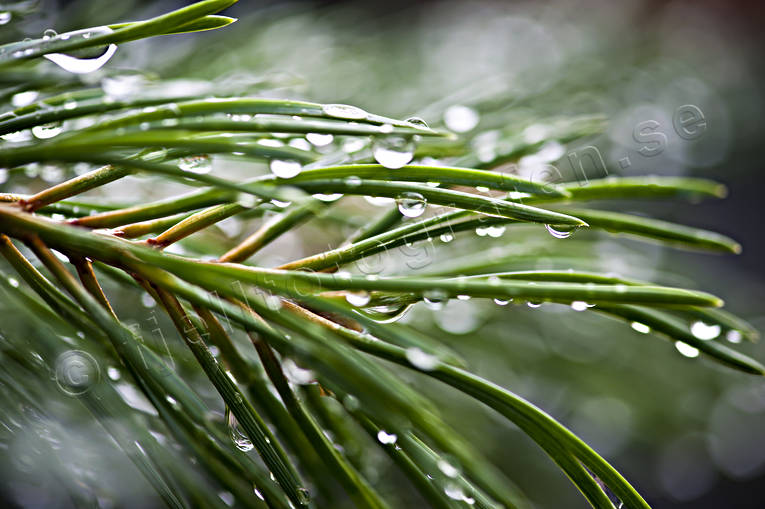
column 296, row 374
column 502, row 302
column 704, row 331
column 533, row 305
column 435, row 299
column 3, row 175
column 453, row 491
column 17, row 136
column 351, row 403
column 328, row 197
column 353, row 145
column 495, row 231
column 240, row 439
column 113, row 373
column 270, row 142
column 379, row 201
column 579, row 305
column 285, row 169
column 148, row 301
column 448, row 469
column 227, row 497
column 353, row 181
column 24, row 98
column 481, row 231
column 200, row 164
column 246, row 200
column 83, row 65
column 393, row 152
column 559, row 234
column 686, row 349
column 417, row 122
column 357, row 299
column 733, row 336
column 344, row 111
column 421, row 360
column 640, row 327
column 446, row 237
column 411, row 204
column 463, row 297
column 281, row 204
column 386, row 438
column 49, row 33
column 304, row 497
column 460, row 119
column 43, row 132
column 5, row 17
column 319, row 140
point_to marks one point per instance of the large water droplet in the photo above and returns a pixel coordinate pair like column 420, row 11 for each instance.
column 386, row 314
column 435, row 299
column 446, row 237
column 533, row 305
column 559, row 234
column 83, row 65
column 344, row 111
column 411, row 204
column 448, row 469
column 686, row 349
column 5, row 17
column 304, row 497
column 357, row 299
column 246, row 200
column 386, row 438
column 241, row 441
column 502, row 302
column 200, row 164
column 733, row 336
column 640, row 327
column 704, row 331
column 43, row 132
column 319, row 140
column 393, row 151
column 417, row 122
column 421, row 360
column 495, row 231
column 328, row 197
column 24, row 98
column 296, row 374
column 379, row 201
column 17, row 136
column 453, row 491
column 285, row 169
column 460, row 119
column 579, row 305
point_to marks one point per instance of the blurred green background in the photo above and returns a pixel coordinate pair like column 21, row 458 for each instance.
column 686, row 432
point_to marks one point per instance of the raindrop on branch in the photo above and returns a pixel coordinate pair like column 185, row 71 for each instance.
column 411, row 204
column 241, row 441
column 345, row 111
column 82, row 65
column 393, row 152
column 559, row 234
column 285, row 169
column 704, row 331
